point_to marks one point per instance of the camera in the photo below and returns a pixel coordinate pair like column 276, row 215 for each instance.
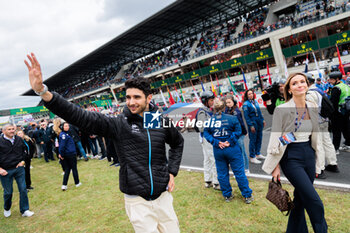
column 271, row 92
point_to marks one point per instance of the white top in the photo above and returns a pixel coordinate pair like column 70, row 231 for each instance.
column 304, row 131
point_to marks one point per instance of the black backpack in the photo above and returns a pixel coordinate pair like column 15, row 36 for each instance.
column 347, row 104
column 327, row 108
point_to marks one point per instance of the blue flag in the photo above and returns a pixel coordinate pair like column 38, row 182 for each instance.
column 202, row 86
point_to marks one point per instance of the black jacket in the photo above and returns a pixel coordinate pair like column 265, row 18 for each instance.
column 11, row 155
column 74, row 132
column 46, row 135
column 144, row 168
column 30, row 149
column 37, row 134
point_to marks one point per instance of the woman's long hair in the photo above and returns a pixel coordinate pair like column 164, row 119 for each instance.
column 287, row 95
column 245, row 95
column 56, row 126
column 26, row 137
column 230, row 97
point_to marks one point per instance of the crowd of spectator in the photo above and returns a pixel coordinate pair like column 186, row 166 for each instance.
column 216, row 38
column 311, row 11
column 90, row 84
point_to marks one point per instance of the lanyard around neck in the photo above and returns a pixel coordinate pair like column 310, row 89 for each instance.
column 253, row 103
column 298, row 123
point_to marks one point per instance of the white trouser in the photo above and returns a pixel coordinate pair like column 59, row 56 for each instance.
column 210, row 173
column 327, row 153
column 152, row 216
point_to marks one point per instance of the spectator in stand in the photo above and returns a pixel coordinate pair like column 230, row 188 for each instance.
column 68, row 154
column 256, row 123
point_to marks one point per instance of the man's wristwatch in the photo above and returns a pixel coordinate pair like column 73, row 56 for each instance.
column 42, row 92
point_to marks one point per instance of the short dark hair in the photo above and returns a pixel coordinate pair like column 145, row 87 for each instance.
column 140, row 83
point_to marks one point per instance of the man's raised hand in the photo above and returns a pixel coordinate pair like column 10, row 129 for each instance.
column 35, row 75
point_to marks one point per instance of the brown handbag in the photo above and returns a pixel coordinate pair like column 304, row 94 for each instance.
column 279, row 197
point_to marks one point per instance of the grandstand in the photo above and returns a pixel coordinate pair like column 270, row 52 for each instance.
column 204, row 41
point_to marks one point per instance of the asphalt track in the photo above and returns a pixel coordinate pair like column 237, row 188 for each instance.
column 193, row 160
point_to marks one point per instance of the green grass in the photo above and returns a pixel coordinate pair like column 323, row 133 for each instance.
column 98, row 205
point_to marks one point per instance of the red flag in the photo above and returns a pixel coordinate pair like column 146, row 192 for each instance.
column 217, row 80
column 341, row 67
column 268, row 72
column 171, row 100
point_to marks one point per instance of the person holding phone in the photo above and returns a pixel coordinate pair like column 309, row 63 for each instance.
column 297, row 120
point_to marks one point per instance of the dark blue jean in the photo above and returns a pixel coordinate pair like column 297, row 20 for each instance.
column 47, row 147
column 93, row 146
column 7, row 183
column 80, row 148
column 298, row 165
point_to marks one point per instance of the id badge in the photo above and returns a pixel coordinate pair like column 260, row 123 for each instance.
column 287, row 138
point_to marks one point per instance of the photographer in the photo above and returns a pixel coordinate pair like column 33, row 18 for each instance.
column 273, row 95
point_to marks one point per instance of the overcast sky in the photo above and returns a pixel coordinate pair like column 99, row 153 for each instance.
column 59, row 32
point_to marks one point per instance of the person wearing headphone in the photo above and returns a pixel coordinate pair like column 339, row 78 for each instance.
column 204, row 114
column 68, row 154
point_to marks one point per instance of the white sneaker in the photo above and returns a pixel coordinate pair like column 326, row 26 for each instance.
column 254, row 160
column 7, row 213
column 260, row 157
column 337, row 152
column 77, row 185
column 27, row 213
column 64, row 187
column 247, row 172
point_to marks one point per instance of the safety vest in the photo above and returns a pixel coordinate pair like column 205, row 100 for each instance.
column 279, row 102
column 345, row 92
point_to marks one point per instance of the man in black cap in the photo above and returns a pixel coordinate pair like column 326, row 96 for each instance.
column 340, row 120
